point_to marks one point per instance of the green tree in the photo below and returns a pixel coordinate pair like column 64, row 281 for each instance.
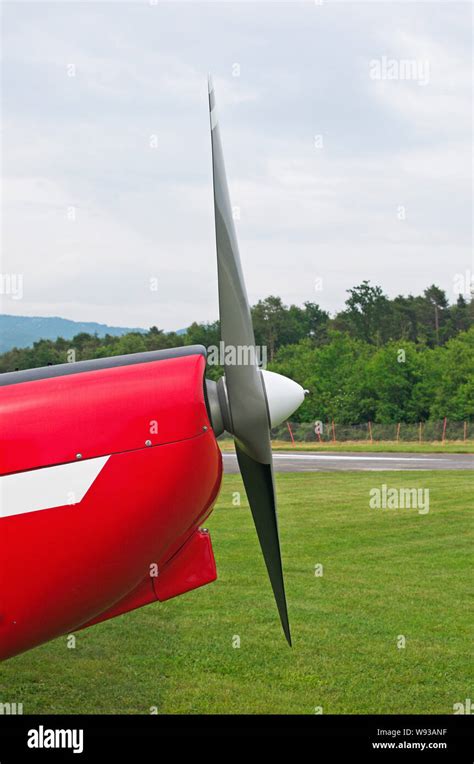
column 368, row 313
column 459, row 317
column 393, row 372
column 437, row 302
column 454, row 395
column 335, row 375
column 273, row 326
column 203, row 334
column 130, row 343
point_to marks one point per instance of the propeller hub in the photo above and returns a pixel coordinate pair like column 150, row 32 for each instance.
column 283, row 397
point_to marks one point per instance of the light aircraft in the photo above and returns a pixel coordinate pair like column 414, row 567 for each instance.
column 110, row 467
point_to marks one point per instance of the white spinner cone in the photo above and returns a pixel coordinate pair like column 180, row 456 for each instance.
column 284, row 396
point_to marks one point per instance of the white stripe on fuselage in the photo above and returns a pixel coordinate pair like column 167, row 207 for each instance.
column 48, row 487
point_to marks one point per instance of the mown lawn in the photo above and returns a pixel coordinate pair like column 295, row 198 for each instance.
column 386, row 574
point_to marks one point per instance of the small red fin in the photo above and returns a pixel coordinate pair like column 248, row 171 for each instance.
column 191, row 567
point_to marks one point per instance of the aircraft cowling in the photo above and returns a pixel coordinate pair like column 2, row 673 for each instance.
column 65, row 565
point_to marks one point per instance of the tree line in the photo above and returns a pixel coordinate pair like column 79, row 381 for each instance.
column 409, row 359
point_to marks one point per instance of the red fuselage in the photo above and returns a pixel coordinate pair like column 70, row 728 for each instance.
column 107, row 473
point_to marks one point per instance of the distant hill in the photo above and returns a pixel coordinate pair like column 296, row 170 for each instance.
column 23, row 331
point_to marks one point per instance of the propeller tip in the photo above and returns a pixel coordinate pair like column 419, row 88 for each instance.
column 288, row 635
column 210, row 84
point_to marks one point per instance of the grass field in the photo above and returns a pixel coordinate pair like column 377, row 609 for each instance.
column 386, row 446
column 386, row 573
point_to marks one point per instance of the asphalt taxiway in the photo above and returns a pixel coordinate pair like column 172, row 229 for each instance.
column 306, row 461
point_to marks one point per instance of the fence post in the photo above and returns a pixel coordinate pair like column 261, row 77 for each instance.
column 398, row 432
column 444, row 431
column 370, row 432
column 419, row 433
column 333, row 432
column 291, row 434
column 465, row 431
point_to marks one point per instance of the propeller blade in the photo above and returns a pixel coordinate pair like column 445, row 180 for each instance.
column 260, row 489
column 244, row 383
column 246, row 393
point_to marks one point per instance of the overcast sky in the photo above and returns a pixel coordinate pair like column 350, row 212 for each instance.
column 346, row 130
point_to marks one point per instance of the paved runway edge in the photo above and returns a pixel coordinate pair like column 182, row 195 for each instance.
column 306, row 461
